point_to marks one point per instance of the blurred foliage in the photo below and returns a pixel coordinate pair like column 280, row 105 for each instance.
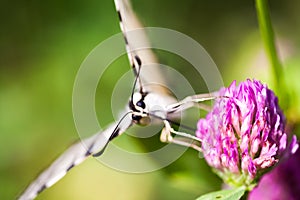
column 42, row 46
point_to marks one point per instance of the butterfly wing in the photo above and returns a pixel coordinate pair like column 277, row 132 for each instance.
column 139, row 48
column 73, row 156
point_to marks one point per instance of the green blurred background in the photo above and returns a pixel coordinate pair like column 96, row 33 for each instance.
column 43, row 44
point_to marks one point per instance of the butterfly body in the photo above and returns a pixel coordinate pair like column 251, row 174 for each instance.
column 156, row 104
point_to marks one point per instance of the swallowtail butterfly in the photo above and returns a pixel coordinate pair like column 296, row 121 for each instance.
column 138, row 109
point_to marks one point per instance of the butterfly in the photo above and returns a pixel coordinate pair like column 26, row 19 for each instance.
column 139, row 110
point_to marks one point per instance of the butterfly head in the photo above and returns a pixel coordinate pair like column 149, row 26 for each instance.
column 140, row 113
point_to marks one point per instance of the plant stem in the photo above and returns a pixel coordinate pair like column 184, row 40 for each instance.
column 267, row 34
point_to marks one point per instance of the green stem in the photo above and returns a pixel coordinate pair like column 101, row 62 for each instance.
column 267, row 35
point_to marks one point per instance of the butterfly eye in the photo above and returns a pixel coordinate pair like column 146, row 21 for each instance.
column 141, row 104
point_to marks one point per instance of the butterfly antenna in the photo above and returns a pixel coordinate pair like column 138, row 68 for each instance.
column 134, row 59
column 135, row 83
column 113, row 135
column 115, row 132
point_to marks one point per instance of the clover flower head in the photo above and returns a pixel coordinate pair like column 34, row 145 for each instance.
column 244, row 134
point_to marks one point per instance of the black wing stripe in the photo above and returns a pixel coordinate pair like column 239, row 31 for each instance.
column 120, row 16
column 42, row 189
column 138, row 60
column 70, row 167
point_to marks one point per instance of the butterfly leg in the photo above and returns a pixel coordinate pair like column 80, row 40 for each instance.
column 184, row 139
column 192, row 101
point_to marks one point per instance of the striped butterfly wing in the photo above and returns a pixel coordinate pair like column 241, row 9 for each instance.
column 73, row 156
column 138, row 49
